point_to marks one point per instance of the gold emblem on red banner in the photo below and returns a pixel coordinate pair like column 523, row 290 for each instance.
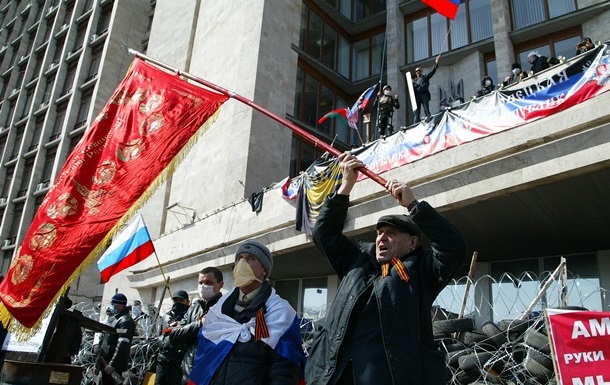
column 43, row 237
column 65, row 204
column 151, row 104
column 151, row 124
column 21, row 268
column 93, row 198
column 105, row 172
column 130, row 150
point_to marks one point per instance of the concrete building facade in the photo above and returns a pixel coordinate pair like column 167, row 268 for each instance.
column 523, row 197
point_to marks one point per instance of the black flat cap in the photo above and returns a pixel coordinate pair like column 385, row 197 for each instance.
column 402, row 222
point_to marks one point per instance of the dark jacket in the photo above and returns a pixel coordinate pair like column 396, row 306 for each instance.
column 114, row 348
column 485, row 90
column 387, row 103
column 542, row 62
column 396, row 313
column 422, row 83
column 172, row 353
column 253, row 362
column 186, row 334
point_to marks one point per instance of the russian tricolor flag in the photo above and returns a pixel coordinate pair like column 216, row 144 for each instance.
column 447, row 8
column 130, row 247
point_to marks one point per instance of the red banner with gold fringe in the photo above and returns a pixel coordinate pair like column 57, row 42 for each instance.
column 127, row 151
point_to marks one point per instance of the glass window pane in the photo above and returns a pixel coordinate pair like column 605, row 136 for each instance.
column 341, row 129
column 314, row 297
column 325, row 105
column 544, row 50
column 310, row 105
column 480, row 20
column 492, row 70
column 377, row 53
column 459, row 31
column 527, row 12
column 343, row 57
column 417, row 40
column 314, row 35
column 360, row 62
column 299, row 93
column 560, row 7
column 345, row 7
column 303, row 32
column 566, row 47
column 329, row 47
column 438, row 27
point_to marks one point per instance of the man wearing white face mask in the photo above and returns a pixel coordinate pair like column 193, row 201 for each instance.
column 250, row 336
column 210, row 281
column 517, row 75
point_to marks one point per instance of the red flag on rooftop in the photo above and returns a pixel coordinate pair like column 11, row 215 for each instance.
column 130, row 148
column 447, row 8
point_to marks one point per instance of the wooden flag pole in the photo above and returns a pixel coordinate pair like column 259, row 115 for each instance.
column 293, row 127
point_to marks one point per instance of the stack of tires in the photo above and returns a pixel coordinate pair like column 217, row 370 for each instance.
column 508, row 352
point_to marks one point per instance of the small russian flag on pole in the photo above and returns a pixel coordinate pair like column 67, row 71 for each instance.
column 447, row 8
column 130, row 247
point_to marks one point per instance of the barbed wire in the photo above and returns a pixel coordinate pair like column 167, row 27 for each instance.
column 489, row 345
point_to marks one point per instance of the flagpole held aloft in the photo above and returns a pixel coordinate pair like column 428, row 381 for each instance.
column 293, row 127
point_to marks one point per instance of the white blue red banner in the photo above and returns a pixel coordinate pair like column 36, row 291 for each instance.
column 133, row 245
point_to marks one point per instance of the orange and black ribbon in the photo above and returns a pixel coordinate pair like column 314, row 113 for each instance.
column 400, row 268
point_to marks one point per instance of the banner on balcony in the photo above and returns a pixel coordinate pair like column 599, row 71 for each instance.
column 150, row 122
column 555, row 90
column 581, row 345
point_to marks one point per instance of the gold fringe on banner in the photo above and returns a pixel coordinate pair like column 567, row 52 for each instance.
column 23, row 333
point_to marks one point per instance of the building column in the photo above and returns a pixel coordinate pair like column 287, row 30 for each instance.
column 505, row 53
column 603, row 267
column 395, row 56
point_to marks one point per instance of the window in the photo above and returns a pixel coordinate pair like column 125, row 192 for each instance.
column 49, row 161
column 59, row 121
column 104, row 21
column 48, row 89
column 516, row 283
column 58, row 50
column 320, row 39
column 14, row 229
column 309, row 295
column 366, row 57
column 70, row 74
column 8, row 179
column 426, row 31
column 31, row 39
column 29, row 96
column 80, row 37
column 17, row 142
column 96, row 59
column 8, row 118
column 27, row 174
column 37, row 65
column 6, row 257
column 68, row 14
column 74, row 141
column 83, row 109
column 38, row 127
column 302, row 156
column 530, row 12
column 561, row 43
column 356, row 10
column 48, row 30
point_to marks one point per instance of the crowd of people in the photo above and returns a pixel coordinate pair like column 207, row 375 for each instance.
column 421, row 87
column 378, row 329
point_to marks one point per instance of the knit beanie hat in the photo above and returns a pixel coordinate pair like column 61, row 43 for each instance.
column 119, row 299
column 260, row 251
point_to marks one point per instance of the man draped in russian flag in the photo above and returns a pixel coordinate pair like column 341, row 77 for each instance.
column 251, row 336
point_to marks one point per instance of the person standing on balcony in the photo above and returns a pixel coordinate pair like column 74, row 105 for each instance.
column 421, row 85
